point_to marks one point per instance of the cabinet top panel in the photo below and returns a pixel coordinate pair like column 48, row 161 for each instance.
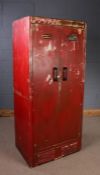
column 59, row 22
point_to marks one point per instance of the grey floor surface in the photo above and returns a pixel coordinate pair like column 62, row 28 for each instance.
column 85, row 162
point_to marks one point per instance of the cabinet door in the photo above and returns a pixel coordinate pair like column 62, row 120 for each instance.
column 72, row 54
column 46, row 44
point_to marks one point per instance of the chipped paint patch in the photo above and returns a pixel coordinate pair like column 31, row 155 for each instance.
column 79, row 31
column 50, row 47
column 77, row 72
column 36, row 54
column 73, row 48
column 50, row 81
column 62, row 44
column 18, row 93
column 72, row 144
column 48, row 77
column 41, row 41
column 70, row 69
column 36, row 27
column 54, row 48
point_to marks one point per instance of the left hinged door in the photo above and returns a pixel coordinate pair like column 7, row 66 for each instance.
column 45, row 78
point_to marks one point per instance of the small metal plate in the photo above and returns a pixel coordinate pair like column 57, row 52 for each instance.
column 73, row 37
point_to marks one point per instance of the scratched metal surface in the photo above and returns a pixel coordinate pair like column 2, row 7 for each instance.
column 48, row 113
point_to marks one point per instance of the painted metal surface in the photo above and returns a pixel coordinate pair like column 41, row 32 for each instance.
column 49, row 63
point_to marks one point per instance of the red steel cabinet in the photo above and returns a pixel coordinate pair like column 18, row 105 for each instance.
column 49, row 67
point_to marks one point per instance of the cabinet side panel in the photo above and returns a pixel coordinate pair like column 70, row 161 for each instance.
column 21, row 56
column 22, row 87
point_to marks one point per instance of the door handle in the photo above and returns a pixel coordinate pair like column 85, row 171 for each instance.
column 65, row 73
column 55, row 74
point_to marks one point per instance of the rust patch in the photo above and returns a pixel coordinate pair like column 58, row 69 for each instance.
column 59, row 22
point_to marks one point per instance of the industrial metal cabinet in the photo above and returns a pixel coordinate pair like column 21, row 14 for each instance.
column 49, row 66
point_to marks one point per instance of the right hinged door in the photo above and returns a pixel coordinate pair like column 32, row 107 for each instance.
column 72, row 64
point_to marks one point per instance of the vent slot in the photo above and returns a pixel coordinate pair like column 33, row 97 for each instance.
column 47, row 36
